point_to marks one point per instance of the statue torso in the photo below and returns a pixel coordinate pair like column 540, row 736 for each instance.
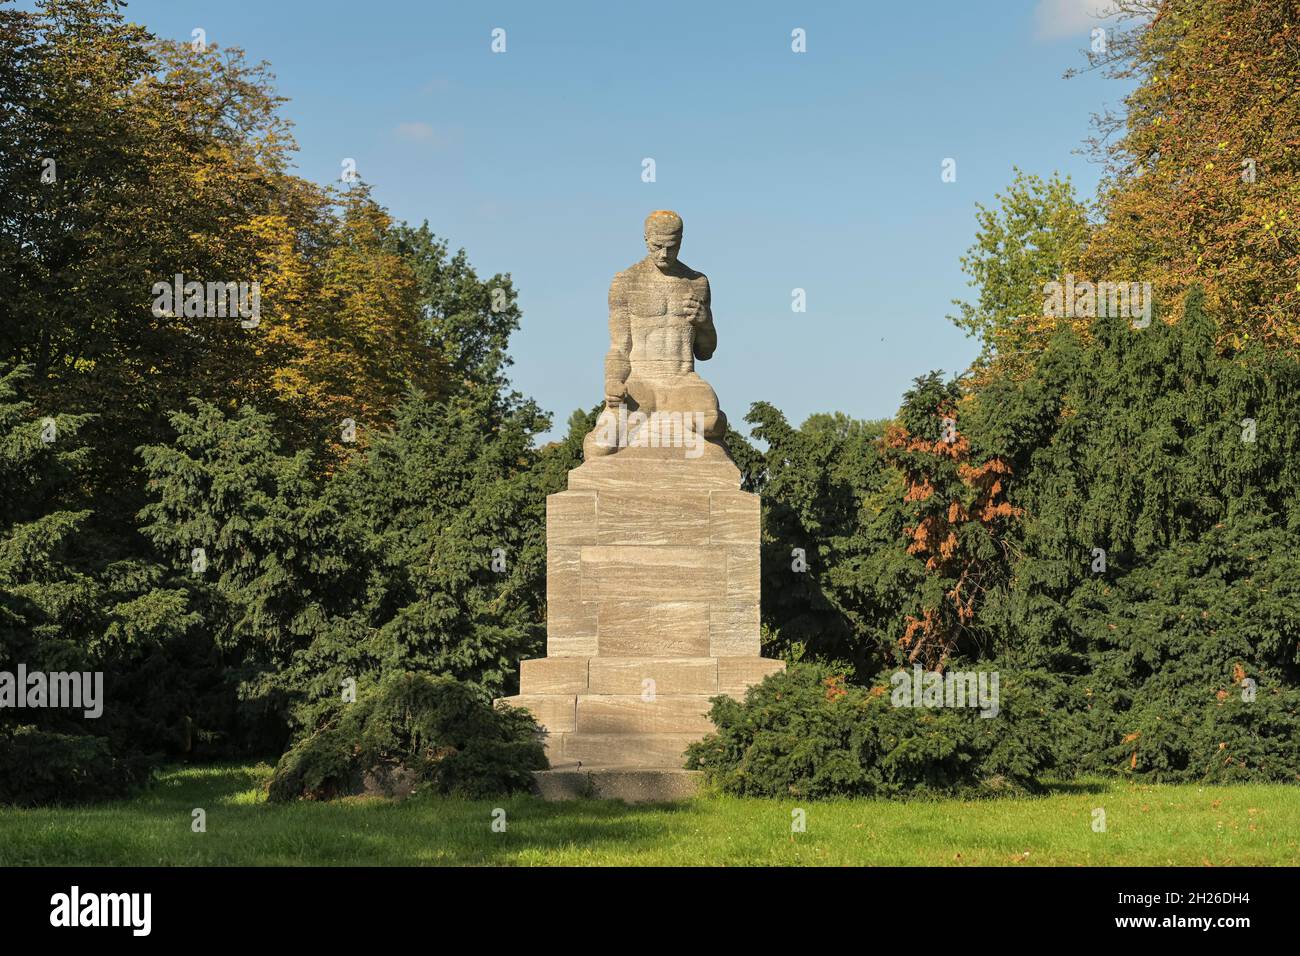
column 662, row 310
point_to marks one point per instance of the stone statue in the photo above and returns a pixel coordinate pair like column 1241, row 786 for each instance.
column 659, row 324
column 652, row 562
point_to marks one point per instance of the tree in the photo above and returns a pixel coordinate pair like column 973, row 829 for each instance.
column 1159, row 494
column 343, row 325
column 66, row 607
column 1034, row 235
column 451, row 511
column 830, row 598
column 957, row 512
column 133, row 160
column 1203, row 167
column 468, row 320
column 45, row 597
column 257, row 543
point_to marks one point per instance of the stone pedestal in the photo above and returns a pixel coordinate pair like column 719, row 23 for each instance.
column 652, row 589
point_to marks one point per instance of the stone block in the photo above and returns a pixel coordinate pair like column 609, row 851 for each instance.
column 662, row 573
column 665, row 714
column 627, row 675
column 734, row 518
column 653, row 629
column 653, row 519
column 570, row 518
column 570, row 628
column 627, row 750
column 557, row 713
column 633, row 785
column 734, row 630
column 738, row 674
column 636, row 471
column 553, row 675
column 563, row 572
column 744, row 579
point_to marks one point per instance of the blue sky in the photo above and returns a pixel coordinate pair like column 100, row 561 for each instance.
column 818, row 170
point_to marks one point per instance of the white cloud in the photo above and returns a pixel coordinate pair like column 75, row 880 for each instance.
column 1062, row 18
column 414, row 132
column 431, row 139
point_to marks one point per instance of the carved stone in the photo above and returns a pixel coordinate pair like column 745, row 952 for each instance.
column 652, row 552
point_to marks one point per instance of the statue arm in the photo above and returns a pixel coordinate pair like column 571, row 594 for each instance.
column 618, row 359
column 706, row 336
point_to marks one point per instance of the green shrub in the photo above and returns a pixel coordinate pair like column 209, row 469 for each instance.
column 805, row 732
column 1193, row 663
column 37, row 767
column 419, row 732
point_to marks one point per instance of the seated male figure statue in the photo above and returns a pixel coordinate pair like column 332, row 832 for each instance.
column 659, row 324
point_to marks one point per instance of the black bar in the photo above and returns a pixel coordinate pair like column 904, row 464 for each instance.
column 518, row 907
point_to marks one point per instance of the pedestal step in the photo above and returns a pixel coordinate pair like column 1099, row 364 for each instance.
column 629, row 712
column 653, row 598
column 578, row 750
column 618, row 713
column 631, row 785
column 643, row 675
column 638, row 470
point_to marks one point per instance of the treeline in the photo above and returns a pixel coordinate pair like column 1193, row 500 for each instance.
column 1120, row 529
column 229, row 514
column 1105, row 506
column 241, row 522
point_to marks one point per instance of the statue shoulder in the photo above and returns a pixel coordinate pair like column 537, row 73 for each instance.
column 630, row 276
column 692, row 275
column 621, row 282
column 699, row 283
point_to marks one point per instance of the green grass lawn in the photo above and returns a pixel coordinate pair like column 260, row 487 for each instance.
column 1156, row 825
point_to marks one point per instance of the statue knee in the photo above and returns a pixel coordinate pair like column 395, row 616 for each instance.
column 715, row 424
column 603, row 438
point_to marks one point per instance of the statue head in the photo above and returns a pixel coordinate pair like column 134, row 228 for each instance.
column 663, row 237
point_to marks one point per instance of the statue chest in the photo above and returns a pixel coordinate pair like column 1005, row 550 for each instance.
column 662, row 304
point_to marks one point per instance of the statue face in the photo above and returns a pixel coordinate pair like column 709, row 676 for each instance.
column 663, row 248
